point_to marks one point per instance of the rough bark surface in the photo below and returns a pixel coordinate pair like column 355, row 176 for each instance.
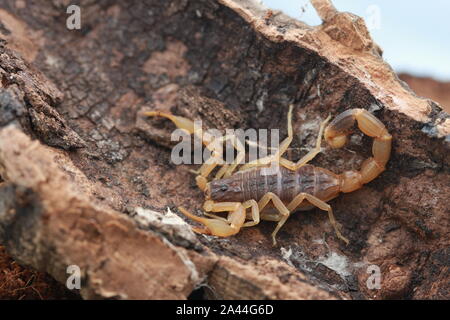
column 428, row 87
column 89, row 182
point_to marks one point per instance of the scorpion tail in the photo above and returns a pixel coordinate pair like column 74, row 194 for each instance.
column 336, row 136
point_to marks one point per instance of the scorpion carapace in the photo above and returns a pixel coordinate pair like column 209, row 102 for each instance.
column 289, row 186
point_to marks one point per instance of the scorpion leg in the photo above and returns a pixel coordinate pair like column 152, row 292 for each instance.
column 239, row 157
column 207, row 168
column 284, row 146
column 221, row 172
column 255, row 214
column 279, row 205
column 311, row 154
column 216, row 160
column 281, row 150
column 321, row 205
column 270, row 216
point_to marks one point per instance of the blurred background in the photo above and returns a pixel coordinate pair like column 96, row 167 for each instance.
column 414, row 35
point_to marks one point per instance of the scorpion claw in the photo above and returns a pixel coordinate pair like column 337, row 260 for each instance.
column 203, row 230
column 214, row 227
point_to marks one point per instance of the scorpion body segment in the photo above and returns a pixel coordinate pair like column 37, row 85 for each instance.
column 288, row 185
column 336, row 136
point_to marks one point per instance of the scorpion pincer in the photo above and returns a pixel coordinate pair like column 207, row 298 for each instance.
column 288, row 186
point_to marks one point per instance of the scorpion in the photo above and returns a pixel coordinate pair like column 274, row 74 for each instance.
column 289, row 186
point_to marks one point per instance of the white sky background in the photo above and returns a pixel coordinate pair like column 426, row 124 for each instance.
column 414, row 34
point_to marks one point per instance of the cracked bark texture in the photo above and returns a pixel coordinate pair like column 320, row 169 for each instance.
column 88, row 181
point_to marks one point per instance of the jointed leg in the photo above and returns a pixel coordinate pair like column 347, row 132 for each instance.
column 239, row 157
column 284, row 146
column 281, row 150
column 254, row 213
column 258, row 163
column 216, row 159
column 279, row 205
column 278, row 227
column 311, row 154
column 319, row 204
column 207, row 168
column 275, row 217
column 221, row 172
column 221, row 226
column 286, row 142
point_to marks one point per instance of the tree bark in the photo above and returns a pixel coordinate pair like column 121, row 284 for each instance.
column 89, row 182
